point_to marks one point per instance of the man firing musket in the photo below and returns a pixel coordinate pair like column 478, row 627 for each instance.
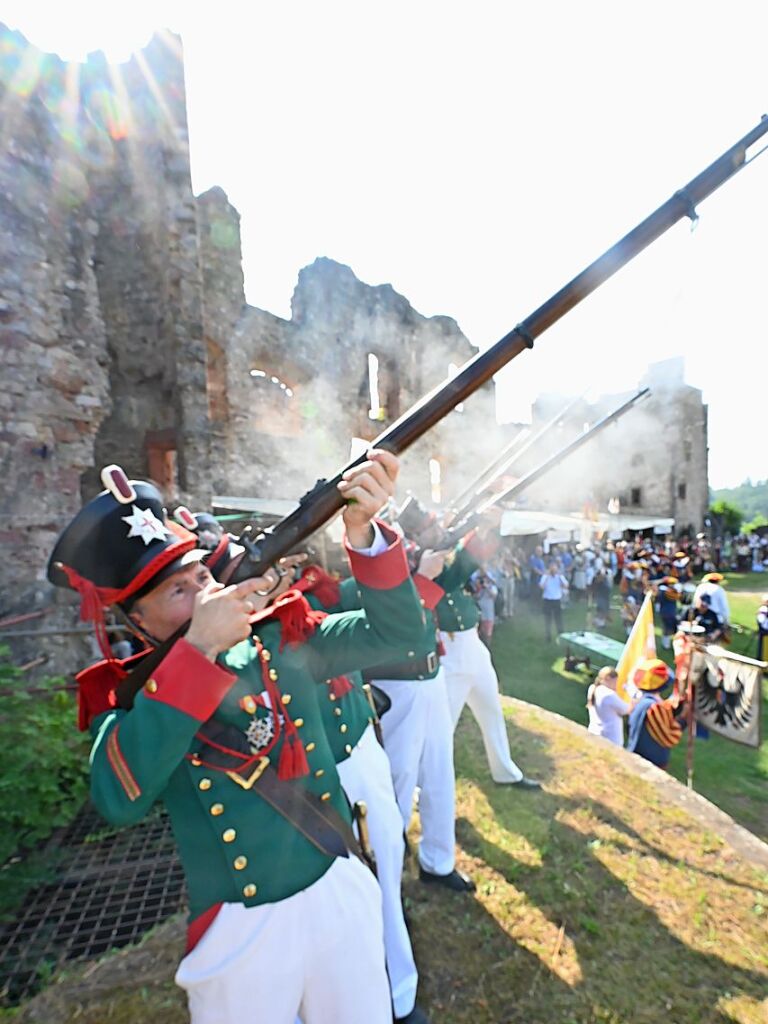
column 220, row 720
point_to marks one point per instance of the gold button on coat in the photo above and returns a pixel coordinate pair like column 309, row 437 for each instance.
column 337, row 711
column 309, row 747
column 217, row 809
column 266, row 656
column 325, row 796
column 240, row 863
column 272, row 673
column 229, row 835
column 320, row 773
column 348, row 748
column 298, row 722
column 249, row 890
column 150, row 686
column 343, row 727
column 204, row 784
column 286, row 698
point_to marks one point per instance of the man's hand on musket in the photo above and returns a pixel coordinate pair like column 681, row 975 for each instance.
column 431, row 563
column 366, row 489
column 222, row 615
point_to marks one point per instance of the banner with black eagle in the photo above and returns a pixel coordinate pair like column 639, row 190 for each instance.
column 728, row 693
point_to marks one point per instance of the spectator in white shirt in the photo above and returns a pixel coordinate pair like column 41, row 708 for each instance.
column 554, row 587
column 606, row 709
column 710, row 586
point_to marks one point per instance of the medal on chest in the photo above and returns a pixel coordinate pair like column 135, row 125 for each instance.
column 260, row 731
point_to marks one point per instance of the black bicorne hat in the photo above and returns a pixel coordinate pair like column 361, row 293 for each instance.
column 116, row 545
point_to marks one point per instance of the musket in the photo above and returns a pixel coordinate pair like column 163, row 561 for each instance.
column 325, row 500
column 474, row 513
column 501, row 463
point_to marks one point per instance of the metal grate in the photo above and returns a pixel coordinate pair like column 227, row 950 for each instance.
column 111, row 887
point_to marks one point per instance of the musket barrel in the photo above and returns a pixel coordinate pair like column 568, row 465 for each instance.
column 554, row 460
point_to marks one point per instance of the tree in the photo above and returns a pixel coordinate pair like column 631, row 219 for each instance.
column 728, row 515
column 753, row 524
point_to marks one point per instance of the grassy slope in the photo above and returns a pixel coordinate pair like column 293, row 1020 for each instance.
column 731, row 776
column 596, row 902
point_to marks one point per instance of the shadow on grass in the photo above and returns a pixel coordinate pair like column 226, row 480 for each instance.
column 556, row 934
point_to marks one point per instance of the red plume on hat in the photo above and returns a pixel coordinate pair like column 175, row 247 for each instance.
column 117, row 547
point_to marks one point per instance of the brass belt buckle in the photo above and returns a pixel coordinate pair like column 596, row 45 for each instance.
column 253, row 777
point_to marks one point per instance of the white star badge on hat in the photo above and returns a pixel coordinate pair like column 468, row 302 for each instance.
column 145, row 524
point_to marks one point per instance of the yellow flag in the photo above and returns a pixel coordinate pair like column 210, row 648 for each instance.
column 641, row 644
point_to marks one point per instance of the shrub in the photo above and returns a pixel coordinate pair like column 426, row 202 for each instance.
column 43, row 760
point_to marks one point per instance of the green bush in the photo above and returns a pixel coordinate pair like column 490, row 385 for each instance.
column 43, row 760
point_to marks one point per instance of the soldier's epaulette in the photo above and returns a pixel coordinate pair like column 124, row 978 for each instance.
column 96, row 687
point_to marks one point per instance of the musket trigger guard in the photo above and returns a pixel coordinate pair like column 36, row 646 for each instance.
column 521, row 332
column 690, row 210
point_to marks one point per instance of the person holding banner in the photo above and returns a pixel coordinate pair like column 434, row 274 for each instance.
column 655, row 724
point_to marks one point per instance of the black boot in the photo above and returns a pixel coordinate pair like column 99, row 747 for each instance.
column 456, row 881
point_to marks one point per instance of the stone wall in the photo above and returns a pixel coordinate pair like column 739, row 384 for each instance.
column 101, row 320
column 55, row 391
column 322, row 357
column 126, row 337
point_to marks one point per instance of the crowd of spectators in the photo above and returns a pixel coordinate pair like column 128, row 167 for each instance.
column 551, row 576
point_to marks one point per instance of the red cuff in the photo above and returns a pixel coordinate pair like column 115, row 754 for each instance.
column 381, row 572
column 189, row 682
column 431, row 593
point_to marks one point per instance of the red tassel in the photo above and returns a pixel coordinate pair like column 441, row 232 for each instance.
column 297, row 620
column 339, row 686
column 293, row 762
column 321, row 585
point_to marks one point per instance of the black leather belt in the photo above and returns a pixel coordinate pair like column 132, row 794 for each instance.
column 414, row 668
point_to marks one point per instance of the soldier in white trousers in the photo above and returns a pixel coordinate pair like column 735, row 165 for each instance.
column 471, row 679
column 469, row 673
column 365, row 775
column 418, row 739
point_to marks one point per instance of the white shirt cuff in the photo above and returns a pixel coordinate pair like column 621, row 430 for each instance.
column 379, row 543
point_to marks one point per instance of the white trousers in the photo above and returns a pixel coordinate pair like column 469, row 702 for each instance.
column 471, row 679
column 366, row 775
column 318, row 954
column 418, row 739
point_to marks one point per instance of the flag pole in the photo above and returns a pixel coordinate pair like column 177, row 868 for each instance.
column 690, row 693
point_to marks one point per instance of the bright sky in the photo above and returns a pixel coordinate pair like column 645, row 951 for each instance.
column 477, row 157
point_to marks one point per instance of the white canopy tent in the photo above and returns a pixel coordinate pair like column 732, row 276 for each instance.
column 522, row 522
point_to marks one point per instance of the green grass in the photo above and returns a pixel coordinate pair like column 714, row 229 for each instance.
column 597, row 903
column 732, row 776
